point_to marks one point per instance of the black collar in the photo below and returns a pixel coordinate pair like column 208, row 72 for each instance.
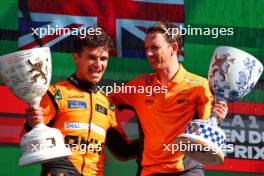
column 82, row 85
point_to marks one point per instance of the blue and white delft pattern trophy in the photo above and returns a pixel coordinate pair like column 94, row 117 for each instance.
column 232, row 74
column 28, row 73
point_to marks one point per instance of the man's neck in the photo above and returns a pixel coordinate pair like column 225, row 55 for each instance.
column 166, row 75
column 81, row 84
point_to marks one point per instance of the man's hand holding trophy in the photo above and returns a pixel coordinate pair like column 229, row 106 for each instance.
column 28, row 74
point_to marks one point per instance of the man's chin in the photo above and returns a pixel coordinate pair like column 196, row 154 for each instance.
column 94, row 80
column 156, row 67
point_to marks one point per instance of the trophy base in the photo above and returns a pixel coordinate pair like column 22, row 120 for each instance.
column 42, row 144
column 204, row 141
column 44, row 157
column 205, row 153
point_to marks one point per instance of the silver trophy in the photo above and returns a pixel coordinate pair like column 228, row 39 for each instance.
column 27, row 74
column 232, row 74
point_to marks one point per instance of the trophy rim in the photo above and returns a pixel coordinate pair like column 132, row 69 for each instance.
column 231, row 47
column 234, row 48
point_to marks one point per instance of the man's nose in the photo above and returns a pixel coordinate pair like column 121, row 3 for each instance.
column 149, row 53
column 97, row 63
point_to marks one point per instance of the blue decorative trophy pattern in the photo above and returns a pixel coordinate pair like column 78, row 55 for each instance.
column 232, row 74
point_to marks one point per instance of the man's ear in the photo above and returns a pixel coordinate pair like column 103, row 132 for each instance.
column 75, row 57
column 175, row 47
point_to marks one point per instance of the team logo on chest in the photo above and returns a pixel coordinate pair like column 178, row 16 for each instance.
column 76, row 104
column 182, row 101
column 149, row 101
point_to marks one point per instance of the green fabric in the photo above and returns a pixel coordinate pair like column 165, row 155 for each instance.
column 8, row 14
column 242, row 13
column 10, row 155
column 7, row 47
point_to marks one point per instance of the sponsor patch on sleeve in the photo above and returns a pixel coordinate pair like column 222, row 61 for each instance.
column 76, row 104
column 57, row 95
column 100, row 109
column 112, row 107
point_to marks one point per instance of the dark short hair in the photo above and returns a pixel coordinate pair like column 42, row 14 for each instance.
column 93, row 41
column 162, row 27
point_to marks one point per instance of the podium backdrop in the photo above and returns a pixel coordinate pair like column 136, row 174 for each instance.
column 126, row 21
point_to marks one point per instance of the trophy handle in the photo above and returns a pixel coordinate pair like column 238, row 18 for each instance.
column 36, row 102
column 40, row 125
column 212, row 120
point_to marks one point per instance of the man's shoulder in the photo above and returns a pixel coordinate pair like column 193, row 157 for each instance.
column 145, row 77
column 195, row 79
column 53, row 88
column 102, row 95
column 62, row 83
column 104, row 98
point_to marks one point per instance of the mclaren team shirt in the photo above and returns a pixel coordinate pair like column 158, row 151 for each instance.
column 163, row 115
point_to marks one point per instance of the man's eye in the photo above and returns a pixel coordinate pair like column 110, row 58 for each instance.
column 103, row 58
column 91, row 58
column 155, row 48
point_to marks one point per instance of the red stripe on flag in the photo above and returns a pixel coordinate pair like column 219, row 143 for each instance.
column 111, row 9
column 30, row 45
column 10, row 103
column 251, row 108
column 240, row 165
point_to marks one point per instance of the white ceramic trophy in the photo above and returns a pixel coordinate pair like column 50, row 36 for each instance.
column 232, row 74
column 28, row 73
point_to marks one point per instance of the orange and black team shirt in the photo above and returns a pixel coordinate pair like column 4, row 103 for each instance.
column 163, row 116
column 87, row 120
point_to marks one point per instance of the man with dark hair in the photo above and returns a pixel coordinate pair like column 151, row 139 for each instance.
column 163, row 116
column 82, row 113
